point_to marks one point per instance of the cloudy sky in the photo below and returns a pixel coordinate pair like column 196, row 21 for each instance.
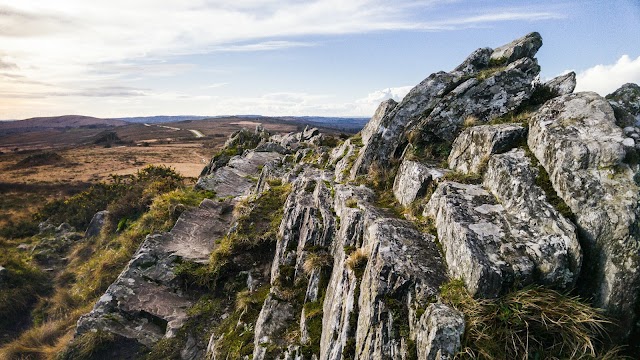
column 114, row 58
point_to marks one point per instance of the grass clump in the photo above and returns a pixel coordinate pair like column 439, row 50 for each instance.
column 357, row 261
column 533, row 323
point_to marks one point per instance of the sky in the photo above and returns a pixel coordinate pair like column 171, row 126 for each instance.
column 116, row 58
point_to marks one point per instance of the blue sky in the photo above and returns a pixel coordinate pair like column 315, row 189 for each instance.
column 324, row 57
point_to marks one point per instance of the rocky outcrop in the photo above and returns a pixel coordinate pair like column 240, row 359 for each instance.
column 563, row 84
column 577, row 141
column 412, row 181
column 436, row 108
column 626, row 104
column 473, row 147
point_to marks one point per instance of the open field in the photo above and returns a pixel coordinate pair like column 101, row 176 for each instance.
column 76, row 157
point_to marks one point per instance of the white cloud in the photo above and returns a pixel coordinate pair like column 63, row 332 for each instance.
column 605, row 79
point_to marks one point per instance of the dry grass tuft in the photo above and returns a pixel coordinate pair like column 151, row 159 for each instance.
column 315, row 261
column 533, row 323
column 470, row 121
column 357, row 260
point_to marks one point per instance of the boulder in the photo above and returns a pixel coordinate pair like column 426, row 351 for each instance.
column 473, row 147
column 412, row 181
column 274, row 318
column 97, row 223
column 550, row 239
column 475, row 62
column 376, row 125
column 526, row 46
column 563, row 84
column 576, row 140
column 626, row 104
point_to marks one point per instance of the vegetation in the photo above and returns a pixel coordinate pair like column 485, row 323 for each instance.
column 92, row 265
column 533, row 323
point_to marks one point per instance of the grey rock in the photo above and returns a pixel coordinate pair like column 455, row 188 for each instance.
column 145, row 302
column 549, row 238
column 343, row 157
column 563, row 84
column 376, row 125
column 235, row 178
column 478, row 60
column 526, row 46
column 274, row 317
column 473, row 147
column 4, row 273
column 475, row 238
column 439, row 333
column 96, row 224
column 577, row 141
column 626, row 104
column 412, row 181
column 272, row 147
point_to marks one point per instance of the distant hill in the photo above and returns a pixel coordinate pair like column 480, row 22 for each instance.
column 53, row 122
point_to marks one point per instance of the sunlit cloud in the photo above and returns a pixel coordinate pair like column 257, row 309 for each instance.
column 606, row 78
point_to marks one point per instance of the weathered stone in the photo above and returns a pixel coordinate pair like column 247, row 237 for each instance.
column 96, row 224
column 473, row 147
column 235, row 178
column 549, row 238
column 273, row 319
column 145, row 302
column 412, row 181
column 476, row 240
column 343, row 157
column 563, row 84
column 376, row 125
column 478, row 60
column 271, row 147
column 577, row 141
column 404, row 267
column 482, row 98
column 626, row 104
column 439, row 334
column 526, row 46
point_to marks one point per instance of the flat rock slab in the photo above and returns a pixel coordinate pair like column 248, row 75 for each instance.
column 237, row 178
column 146, row 302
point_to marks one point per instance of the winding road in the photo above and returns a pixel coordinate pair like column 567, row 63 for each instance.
column 196, row 133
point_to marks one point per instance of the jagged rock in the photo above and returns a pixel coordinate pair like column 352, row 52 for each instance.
column 375, row 125
column 273, row 320
column 439, row 333
column 344, row 156
column 234, row 179
column 404, row 267
column 97, row 223
column 435, row 109
column 550, row 239
column 473, row 147
column 478, row 60
column 390, row 134
column 626, row 104
column 145, row 302
column 483, row 99
column 271, row 147
column 563, row 84
column 526, row 46
column 412, row 181
column 577, row 141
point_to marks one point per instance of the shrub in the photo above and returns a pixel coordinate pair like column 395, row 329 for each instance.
column 533, row 323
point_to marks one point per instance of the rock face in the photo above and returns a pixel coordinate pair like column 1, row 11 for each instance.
column 412, row 181
column 473, row 147
column 626, row 104
column 96, row 224
column 435, row 109
column 577, row 141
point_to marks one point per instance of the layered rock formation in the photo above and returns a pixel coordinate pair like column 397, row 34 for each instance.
column 549, row 200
